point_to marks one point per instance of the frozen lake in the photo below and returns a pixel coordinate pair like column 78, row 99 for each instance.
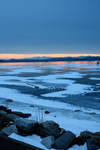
column 70, row 91
column 74, row 83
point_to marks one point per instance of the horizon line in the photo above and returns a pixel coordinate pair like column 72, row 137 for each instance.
column 28, row 55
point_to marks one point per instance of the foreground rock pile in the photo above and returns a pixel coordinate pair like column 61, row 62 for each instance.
column 52, row 135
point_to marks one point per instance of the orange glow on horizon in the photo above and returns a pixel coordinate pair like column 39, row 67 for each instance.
column 18, row 56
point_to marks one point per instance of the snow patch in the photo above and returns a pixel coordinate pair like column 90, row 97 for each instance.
column 32, row 140
column 71, row 89
column 76, row 147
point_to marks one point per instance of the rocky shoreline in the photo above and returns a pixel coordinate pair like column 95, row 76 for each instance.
column 53, row 136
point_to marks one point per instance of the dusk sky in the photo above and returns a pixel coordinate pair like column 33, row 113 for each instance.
column 50, row 26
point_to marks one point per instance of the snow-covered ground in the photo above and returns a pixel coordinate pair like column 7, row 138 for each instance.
column 65, row 76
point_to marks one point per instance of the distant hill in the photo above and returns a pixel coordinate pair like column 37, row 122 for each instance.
column 51, row 59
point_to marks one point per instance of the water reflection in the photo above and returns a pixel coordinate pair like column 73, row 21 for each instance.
column 61, row 65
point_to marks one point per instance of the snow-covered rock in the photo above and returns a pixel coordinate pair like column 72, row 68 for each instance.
column 48, row 141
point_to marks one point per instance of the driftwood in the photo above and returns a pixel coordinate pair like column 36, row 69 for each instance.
column 31, row 84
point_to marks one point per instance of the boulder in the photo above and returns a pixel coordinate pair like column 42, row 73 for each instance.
column 47, row 128
column 25, row 126
column 9, row 130
column 3, row 108
column 86, row 135
column 3, row 122
column 3, row 113
column 62, row 131
column 96, row 134
column 64, row 141
column 48, row 141
column 93, row 143
column 79, row 141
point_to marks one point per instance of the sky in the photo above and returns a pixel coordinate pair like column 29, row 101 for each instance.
column 50, row 26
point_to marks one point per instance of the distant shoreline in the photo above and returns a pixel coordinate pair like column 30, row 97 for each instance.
column 52, row 59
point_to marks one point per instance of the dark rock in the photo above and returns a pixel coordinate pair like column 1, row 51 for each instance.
column 9, row 130
column 3, row 108
column 47, row 128
column 20, row 114
column 77, row 110
column 96, row 140
column 12, row 117
column 64, row 141
column 47, row 112
column 48, row 141
column 96, row 134
column 62, row 131
column 92, row 113
column 86, row 135
column 3, row 113
column 3, row 122
column 8, row 111
column 93, row 143
column 32, row 105
column 79, row 141
column 25, row 126
column 9, row 100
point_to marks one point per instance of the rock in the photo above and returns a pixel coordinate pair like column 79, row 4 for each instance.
column 9, row 100
column 9, row 130
column 3, row 122
column 47, row 112
column 32, row 105
column 93, row 143
column 25, row 126
column 64, row 141
column 3, row 113
column 77, row 110
column 47, row 128
column 92, row 113
column 3, row 108
column 62, row 131
column 8, row 111
column 48, row 141
column 20, row 114
column 96, row 134
column 12, row 117
column 86, row 135
column 79, row 141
